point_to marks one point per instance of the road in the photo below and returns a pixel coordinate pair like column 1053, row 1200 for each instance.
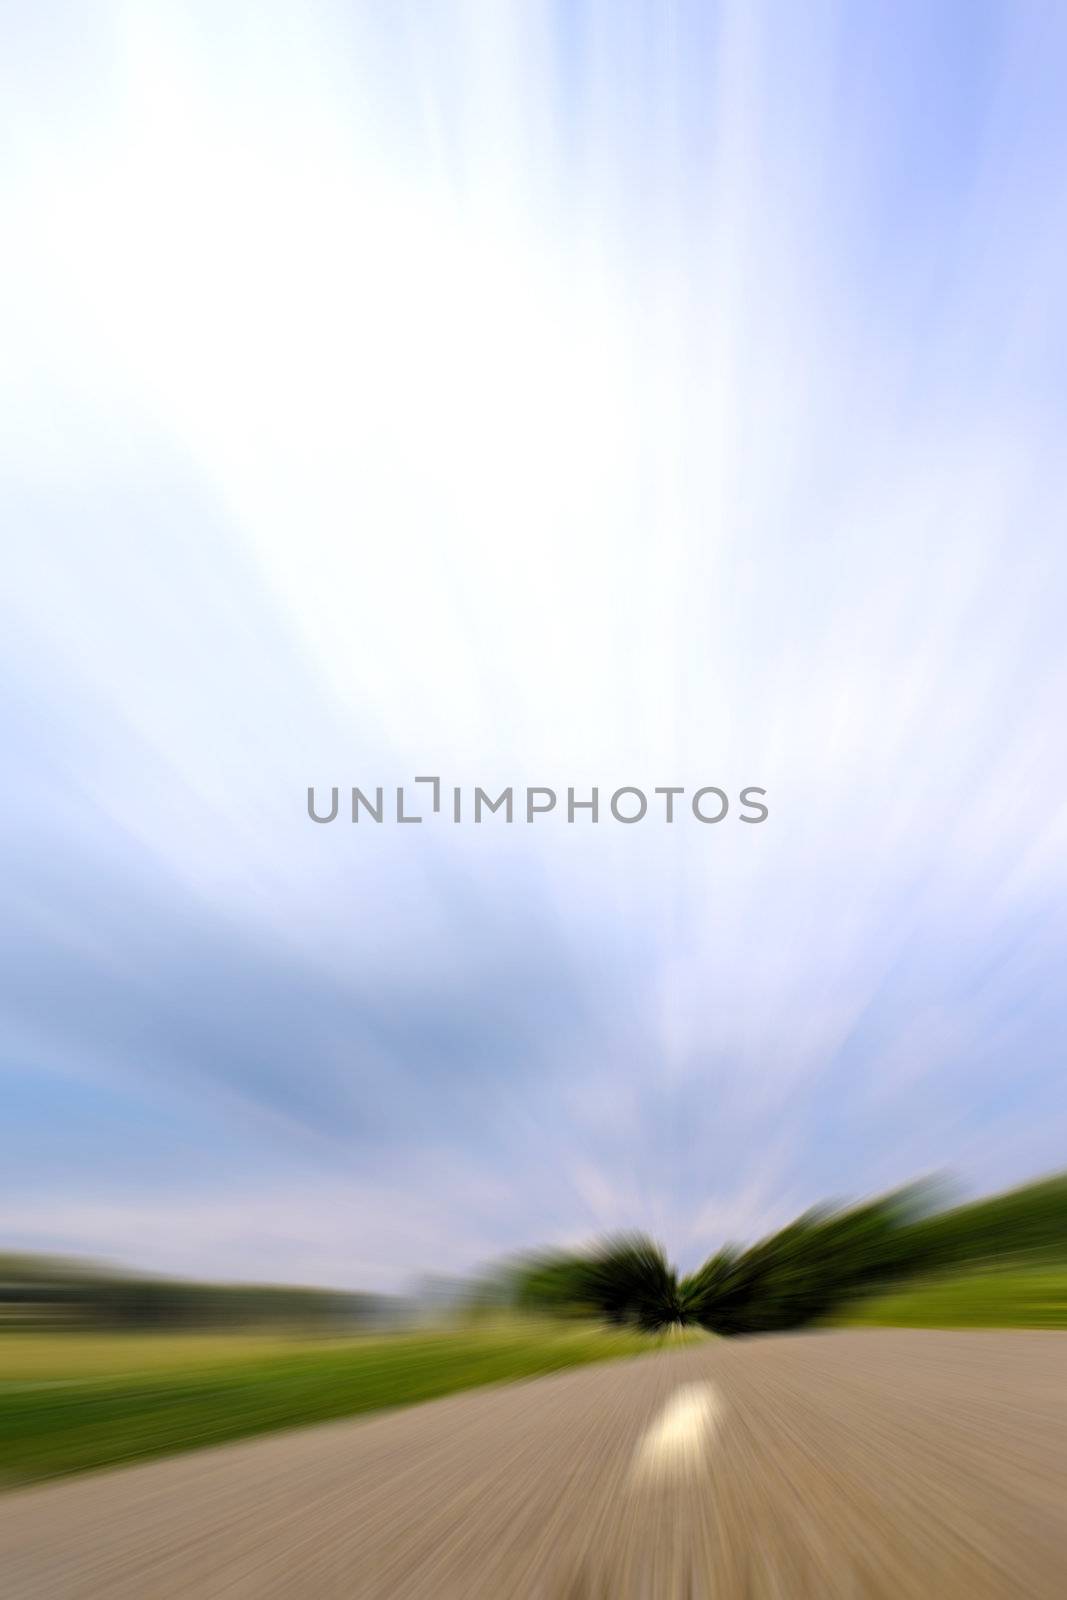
column 832, row 1466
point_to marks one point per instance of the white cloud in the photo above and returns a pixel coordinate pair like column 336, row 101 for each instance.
column 382, row 404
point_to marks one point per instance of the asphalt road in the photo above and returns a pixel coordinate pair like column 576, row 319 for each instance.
column 812, row 1467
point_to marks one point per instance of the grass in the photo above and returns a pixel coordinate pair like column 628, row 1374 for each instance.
column 71, row 1402
column 990, row 1297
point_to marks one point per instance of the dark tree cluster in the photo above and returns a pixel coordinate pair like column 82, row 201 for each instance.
column 807, row 1271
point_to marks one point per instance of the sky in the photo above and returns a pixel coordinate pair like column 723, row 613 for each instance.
column 558, row 394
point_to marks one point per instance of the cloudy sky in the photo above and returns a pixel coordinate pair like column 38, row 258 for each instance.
column 559, row 394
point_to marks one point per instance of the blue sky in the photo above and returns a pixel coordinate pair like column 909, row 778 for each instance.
column 550, row 394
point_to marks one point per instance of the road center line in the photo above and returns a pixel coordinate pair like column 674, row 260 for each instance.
column 677, row 1442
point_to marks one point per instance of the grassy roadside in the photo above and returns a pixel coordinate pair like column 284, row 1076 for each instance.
column 992, row 1297
column 71, row 1402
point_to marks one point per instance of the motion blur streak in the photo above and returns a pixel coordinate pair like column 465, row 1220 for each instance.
column 543, row 395
column 892, row 1466
column 547, row 394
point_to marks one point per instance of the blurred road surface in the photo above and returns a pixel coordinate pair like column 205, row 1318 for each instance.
column 853, row 1465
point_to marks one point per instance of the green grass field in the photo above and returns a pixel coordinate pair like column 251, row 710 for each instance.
column 993, row 1297
column 70, row 1402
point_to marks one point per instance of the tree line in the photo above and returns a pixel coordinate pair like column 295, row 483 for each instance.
column 804, row 1273
column 47, row 1291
